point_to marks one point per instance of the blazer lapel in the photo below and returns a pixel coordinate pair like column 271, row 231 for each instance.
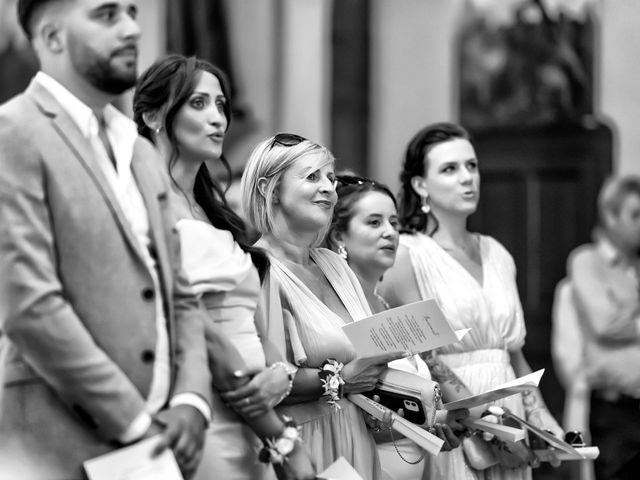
column 152, row 197
column 71, row 134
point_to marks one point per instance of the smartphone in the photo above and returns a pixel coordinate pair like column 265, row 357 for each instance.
column 412, row 406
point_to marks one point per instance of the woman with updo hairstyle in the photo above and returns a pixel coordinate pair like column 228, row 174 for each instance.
column 288, row 194
column 473, row 278
column 183, row 106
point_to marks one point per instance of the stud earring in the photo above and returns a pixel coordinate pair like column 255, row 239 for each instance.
column 342, row 251
column 425, row 208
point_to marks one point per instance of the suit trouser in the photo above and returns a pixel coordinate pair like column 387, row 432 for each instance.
column 615, row 429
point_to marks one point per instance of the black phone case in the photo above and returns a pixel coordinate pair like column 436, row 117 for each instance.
column 412, row 406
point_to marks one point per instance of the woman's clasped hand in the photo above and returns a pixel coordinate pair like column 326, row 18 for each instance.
column 264, row 391
column 362, row 373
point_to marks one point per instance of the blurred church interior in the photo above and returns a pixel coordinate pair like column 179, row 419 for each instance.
column 548, row 89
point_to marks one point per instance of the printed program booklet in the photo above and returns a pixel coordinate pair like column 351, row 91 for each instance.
column 416, row 327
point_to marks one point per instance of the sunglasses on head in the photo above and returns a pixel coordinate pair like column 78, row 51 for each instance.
column 353, row 180
column 286, row 140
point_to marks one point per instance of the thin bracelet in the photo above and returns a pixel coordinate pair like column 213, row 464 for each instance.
column 291, row 374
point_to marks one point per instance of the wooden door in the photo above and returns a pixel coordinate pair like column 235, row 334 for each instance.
column 538, row 198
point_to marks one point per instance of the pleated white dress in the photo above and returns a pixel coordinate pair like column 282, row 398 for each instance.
column 493, row 312
column 308, row 332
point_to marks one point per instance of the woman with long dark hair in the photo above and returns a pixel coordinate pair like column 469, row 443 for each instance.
column 182, row 105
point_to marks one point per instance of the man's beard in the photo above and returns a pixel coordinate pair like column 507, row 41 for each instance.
column 107, row 78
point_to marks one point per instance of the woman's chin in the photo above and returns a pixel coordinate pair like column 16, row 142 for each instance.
column 311, row 226
column 386, row 263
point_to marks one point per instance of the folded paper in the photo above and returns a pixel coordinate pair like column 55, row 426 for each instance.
column 416, row 327
column 339, row 470
column 503, row 432
column 507, row 389
column 548, row 437
column 134, row 462
column 584, row 453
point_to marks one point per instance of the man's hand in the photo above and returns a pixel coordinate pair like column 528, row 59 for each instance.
column 183, row 431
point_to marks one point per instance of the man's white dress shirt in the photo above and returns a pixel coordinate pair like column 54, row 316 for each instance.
column 122, row 134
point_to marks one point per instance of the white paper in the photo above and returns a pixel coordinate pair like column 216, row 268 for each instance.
column 339, row 470
column 585, row 453
column 507, row 389
column 416, row 328
column 548, row 437
column 134, row 462
column 503, row 432
column 462, row 332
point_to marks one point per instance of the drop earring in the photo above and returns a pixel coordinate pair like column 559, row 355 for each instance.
column 342, row 251
column 425, row 207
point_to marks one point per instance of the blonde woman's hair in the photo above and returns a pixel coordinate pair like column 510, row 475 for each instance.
column 269, row 160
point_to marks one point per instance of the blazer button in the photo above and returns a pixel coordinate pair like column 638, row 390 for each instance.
column 148, row 293
column 148, row 356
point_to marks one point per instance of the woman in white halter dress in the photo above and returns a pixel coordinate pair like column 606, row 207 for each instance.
column 472, row 277
column 493, row 312
column 314, row 333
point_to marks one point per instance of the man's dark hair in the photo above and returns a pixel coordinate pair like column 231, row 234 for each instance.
column 27, row 10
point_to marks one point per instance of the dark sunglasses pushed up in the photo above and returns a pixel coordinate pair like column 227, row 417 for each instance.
column 286, row 140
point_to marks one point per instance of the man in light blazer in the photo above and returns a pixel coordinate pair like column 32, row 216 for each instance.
column 103, row 343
